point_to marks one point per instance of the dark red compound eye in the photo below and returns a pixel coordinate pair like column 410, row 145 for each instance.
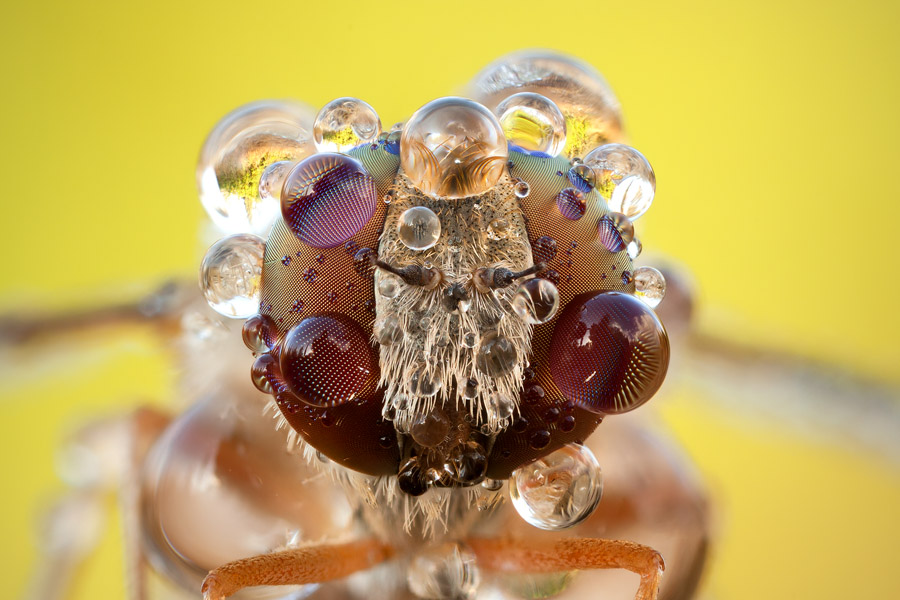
column 609, row 353
column 326, row 360
column 327, row 199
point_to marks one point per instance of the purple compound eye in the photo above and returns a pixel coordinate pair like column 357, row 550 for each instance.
column 609, row 352
column 326, row 360
column 327, row 199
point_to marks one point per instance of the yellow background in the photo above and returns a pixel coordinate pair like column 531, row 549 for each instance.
column 772, row 127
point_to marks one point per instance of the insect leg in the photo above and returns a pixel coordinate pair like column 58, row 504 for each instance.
column 313, row 564
column 571, row 554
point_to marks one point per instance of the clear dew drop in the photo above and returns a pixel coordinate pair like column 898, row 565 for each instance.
column 649, row 286
column 521, row 189
column 615, row 231
column 624, row 177
column 431, row 428
column 532, row 122
column 444, row 571
column 423, row 383
column 389, row 286
column 345, row 123
column 559, row 490
column 498, row 229
column 536, row 301
column 634, row 248
column 470, row 388
column 272, row 180
column 470, row 340
column 387, row 330
column 492, row 485
column 231, row 273
column 419, row 228
column 496, row 354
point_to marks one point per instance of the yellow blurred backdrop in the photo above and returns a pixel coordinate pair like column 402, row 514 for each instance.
column 772, row 127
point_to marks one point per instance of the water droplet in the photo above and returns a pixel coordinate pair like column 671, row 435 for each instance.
column 387, row 330
column 536, row 301
column 453, row 147
column 498, row 229
column 423, row 383
column 521, row 189
column 609, row 352
column 444, row 571
column 615, row 231
column 492, row 485
column 626, row 277
column 389, row 286
column 430, row 429
column 570, row 203
column 470, row 339
column 624, row 177
column 326, row 359
column 581, row 177
column 467, row 463
column 634, row 248
column 364, row 262
column 649, row 286
column 272, row 180
column 327, row 199
column 411, row 479
column 544, row 249
column 539, row 439
column 264, row 368
column 559, row 490
column 238, row 153
column 230, row 275
column 470, row 389
column 533, row 122
column 425, row 323
column 419, row 228
column 496, row 354
column 501, row 407
column 259, row 333
column 345, row 123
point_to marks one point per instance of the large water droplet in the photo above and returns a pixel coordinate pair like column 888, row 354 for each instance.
column 536, row 301
column 430, row 429
column 345, row 123
column 327, row 199
column 533, row 122
column 424, row 383
column 326, row 360
column 609, row 352
column 237, row 153
column 419, row 228
column 453, row 147
column 649, row 285
column 496, row 354
column 559, row 490
column 570, row 203
column 615, row 231
column 624, row 177
column 259, row 333
column 446, row 571
column 230, row 275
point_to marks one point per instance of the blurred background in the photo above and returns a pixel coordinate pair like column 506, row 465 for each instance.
column 772, row 127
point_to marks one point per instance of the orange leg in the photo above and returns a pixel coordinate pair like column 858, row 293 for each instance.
column 314, row 564
column 572, row 554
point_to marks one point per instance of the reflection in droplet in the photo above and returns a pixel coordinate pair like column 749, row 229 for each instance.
column 533, row 122
column 649, row 286
column 536, row 301
column 496, row 354
column 615, row 231
column 624, row 177
column 345, row 123
column 570, row 203
column 387, row 330
column 230, row 275
column 559, row 490
column 389, row 286
column 444, row 571
column 419, row 228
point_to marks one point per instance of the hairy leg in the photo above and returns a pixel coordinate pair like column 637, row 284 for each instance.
column 313, row 564
column 571, row 554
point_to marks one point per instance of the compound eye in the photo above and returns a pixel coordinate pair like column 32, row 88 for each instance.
column 326, row 360
column 609, row 353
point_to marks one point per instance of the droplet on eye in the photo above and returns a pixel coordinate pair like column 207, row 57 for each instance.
column 532, row 122
column 649, row 286
column 559, row 490
column 230, row 275
column 496, row 354
column 259, row 333
column 536, row 301
column 419, row 228
column 327, row 199
column 326, row 360
column 345, row 123
column 624, row 177
column 582, row 177
column 444, row 571
column 609, row 352
column 570, row 203
column 453, row 147
column 238, row 152
column 615, row 231
column 544, row 249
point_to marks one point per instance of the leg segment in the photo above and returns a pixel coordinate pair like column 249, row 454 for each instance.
column 572, row 554
column 314, row 564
